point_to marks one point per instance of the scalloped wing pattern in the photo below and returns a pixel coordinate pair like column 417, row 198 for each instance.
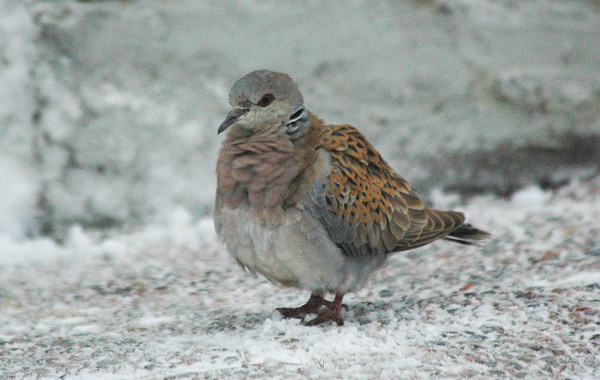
column 366, row 207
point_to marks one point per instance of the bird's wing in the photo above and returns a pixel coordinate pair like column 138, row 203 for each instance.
column 366, row 207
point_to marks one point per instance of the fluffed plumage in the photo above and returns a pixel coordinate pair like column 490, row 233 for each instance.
column 310, row 205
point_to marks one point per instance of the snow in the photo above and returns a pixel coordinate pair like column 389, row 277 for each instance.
column 18, row 199
column 109, row 109
column 109, row 263
column 585, row 278
column 165, row 300
column 18, row 184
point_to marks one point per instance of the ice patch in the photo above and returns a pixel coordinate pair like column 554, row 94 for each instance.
column 18, row 197
column 147, row 322
column 586, row 278
column 531, row 196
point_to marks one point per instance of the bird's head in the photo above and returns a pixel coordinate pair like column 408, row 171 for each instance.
column 264, row 98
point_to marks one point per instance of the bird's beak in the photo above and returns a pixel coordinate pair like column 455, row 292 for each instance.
column 231, row 118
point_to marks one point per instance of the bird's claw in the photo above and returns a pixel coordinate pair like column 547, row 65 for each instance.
column 313, row 306
column 325, row 317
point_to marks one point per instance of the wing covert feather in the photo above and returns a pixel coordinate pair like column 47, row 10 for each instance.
column 366, row 207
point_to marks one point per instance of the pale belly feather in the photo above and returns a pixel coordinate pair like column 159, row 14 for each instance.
column 296, row 253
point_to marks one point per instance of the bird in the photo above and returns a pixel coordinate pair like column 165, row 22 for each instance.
column 311, row 205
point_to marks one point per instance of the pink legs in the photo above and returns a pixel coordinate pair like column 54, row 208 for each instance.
column 313, row 306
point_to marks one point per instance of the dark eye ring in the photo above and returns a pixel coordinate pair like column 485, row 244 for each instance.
column 265, row 100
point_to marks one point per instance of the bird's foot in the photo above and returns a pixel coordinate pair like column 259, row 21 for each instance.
column 330, row 304
column 312, row 306
column 332, row 314
column 325, row 317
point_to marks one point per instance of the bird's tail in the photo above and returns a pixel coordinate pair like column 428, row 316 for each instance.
column 466, row 234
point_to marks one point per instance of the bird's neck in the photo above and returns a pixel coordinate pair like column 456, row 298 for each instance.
column 265, row 170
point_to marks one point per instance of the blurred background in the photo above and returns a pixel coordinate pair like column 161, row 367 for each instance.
column 109, row 109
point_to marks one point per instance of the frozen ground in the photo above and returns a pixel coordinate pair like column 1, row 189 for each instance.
column 166, row 302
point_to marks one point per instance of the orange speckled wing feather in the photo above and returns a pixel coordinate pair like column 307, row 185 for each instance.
column 366, row 207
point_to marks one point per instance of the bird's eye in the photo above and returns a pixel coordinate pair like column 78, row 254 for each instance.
column 265, row 100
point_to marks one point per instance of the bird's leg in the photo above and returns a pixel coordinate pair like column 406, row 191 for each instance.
column 330, row 304
column 312, row 306
column 333, row 314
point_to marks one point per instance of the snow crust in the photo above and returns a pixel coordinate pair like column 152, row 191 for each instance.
column 165, row 301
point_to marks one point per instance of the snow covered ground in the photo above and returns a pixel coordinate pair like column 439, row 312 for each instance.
column 166, row 301
column 108, row 111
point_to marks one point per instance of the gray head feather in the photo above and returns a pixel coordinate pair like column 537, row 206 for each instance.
column 251, row 87
column 264, row 98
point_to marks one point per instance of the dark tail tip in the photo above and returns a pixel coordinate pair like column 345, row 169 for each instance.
column 468, row 235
